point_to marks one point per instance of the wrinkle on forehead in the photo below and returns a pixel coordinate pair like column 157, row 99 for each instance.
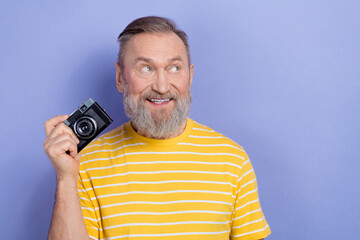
column 156, row 47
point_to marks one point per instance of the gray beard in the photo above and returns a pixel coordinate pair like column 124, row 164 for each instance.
column 160, row 124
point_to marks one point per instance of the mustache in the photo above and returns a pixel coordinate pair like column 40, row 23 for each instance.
column 153, row 94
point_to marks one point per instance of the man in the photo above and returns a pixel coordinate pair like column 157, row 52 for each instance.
column 161, row 175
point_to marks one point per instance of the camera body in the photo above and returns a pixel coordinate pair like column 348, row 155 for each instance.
column 87, row 122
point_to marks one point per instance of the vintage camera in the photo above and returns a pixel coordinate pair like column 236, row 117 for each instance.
column 87, row 122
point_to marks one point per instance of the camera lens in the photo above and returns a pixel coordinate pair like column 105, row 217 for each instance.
column 85, row 127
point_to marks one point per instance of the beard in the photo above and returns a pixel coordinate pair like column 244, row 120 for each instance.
column 158, row 124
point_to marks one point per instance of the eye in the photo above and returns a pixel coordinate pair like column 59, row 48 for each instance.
column 175, row 69
column 145, row 70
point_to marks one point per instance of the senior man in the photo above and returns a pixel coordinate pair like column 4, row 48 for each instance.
column 161, row 175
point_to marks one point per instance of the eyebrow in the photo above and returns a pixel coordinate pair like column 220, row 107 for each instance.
column 177, row 58
column 149, row 60
column 143, row 59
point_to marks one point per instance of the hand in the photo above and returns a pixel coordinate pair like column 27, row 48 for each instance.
column 60, row 139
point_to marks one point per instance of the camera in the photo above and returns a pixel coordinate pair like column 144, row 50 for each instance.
column 88, row 121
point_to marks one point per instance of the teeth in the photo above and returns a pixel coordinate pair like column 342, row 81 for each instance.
column 159, row 101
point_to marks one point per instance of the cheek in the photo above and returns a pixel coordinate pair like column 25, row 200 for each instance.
column 137, row 86
column 182, row 85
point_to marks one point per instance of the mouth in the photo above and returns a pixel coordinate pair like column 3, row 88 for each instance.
column 159, row 101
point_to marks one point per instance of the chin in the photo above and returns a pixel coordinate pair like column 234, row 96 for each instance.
column 161, row 114
column 161, row 117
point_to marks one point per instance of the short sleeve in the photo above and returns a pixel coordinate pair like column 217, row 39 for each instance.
column 248, row 221
column 88, row 211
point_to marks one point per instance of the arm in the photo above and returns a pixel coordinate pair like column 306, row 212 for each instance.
column 67, row 221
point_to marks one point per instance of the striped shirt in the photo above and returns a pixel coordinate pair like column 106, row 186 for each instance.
column 198, row 185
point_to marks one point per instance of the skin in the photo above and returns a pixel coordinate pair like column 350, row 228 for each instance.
column 156, row 62
column 67, row 221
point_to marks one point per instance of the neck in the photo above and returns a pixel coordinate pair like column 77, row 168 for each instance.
column 176, row 133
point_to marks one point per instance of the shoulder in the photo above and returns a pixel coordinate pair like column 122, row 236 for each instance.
column 205, row 132
column 205, row 135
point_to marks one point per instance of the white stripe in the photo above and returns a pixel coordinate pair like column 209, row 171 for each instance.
column 163, row 192
column 247, row 161
column 96, row 228
column 165, row 224
column 113, row 150
column 141, row 153
column 168, row 234
column 93, row 237
column 115, row 129
column 85, row 199
column 211, row 145
column 164, row 203
column 165, row 213
column 240, row 235
column 160, row 162
column 244, row 195
column 246, row 204
column 244, row 185
column 201, row 129
column 157, row 172
column 202, row 125
column 90, row 219
column 251, row 170
column 114, row 135
column 248, row 223
column 248, row 213
column 99, row 145
column 161, row 182
column 88, row 209
column 205, row 136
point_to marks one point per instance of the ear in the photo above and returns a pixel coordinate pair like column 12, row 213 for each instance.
column 119, row 83
column 191, row 74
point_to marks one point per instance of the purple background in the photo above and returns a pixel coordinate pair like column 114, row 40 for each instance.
column 281, row 78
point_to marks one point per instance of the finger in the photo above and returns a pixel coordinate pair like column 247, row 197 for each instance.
column 73, row 150
column 62, row 137
column 64, row 146
column 55, row 146
column 71, row 136
column 49, row 143
column 53, row 122
column 61, row 128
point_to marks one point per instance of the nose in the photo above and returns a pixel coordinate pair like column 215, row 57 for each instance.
column 161, row 84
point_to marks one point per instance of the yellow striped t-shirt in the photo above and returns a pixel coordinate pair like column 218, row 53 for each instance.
column 199, row 185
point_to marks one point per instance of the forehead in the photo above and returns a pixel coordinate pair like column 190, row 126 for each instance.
column 155, row 46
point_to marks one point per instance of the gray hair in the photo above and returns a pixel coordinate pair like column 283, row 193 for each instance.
column 148, row 25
